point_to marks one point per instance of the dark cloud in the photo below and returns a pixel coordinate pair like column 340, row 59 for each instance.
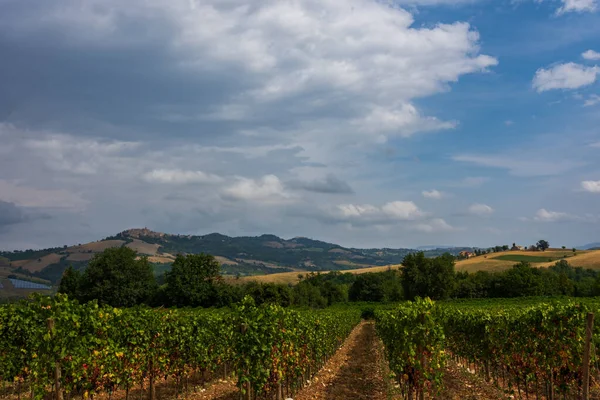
column 329, row 184
column 11, row 214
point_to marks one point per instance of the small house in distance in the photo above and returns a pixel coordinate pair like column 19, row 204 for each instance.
column 466, row 254
column 515, row 247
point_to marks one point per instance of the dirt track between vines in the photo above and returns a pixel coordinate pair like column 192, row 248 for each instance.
column 358, row 370
column 354, row 372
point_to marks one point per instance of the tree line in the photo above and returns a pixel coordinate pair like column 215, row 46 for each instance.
column 120, row 278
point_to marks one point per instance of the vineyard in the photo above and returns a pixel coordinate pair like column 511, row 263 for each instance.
column 527, row 348
column 53, row 346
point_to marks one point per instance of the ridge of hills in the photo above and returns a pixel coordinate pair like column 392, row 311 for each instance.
column 243, row 255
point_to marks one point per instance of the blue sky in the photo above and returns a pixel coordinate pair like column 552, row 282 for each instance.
column 366, row 123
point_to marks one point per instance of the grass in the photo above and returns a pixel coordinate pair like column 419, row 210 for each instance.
column 292, row 277
column 524, row 258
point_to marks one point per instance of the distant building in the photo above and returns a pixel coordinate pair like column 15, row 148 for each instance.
column 515, row 248
column 466, row 254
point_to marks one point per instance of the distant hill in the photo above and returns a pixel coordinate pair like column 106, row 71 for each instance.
column 590, row 246
column 245, row 255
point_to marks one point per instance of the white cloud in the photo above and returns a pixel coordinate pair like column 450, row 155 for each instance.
column 358, row 210
column 178, row 176
column 25, row 196
column 564, row 76
column 592, row 100
column 404, row 210
column 368, row 214
column 591, row 55
column 480, row 209
column 544, row 215
column 595, row 145
column 591, row 186
column 509, row 122
column 403, row 121
column 432, row 194
column 434, row 225
column 267, row 190
column 366, row 57
column 577, row 6
column 77, row 155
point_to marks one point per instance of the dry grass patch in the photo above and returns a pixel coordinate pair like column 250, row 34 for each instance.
column 225, row 261
column 483, row 264
column 39, row 264
column 584, row 259
column 141, row 247
column 160, row 259
column 96, row 247
column 292, row 277
column 80, row 256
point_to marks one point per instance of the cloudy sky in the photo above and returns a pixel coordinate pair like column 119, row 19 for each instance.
column 367, row 123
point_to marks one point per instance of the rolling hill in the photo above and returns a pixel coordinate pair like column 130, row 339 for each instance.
column 493, row 262
column 243, row 256
column 267, row 258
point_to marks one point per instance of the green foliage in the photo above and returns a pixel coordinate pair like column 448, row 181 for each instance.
column 115, row 277
column 541, row 342
column 101, row 348
column 193, row 280
column 560, row 279
column 542, row 245
column 70, row 283
column 414, row 344
column 428, row 277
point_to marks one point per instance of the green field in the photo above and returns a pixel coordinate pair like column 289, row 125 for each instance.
column 524, row 258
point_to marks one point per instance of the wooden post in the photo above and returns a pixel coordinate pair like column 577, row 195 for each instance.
column 589, row 325
column 279, row 395
column 57, row 373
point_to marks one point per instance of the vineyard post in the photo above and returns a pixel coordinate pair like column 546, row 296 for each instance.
column 423, row 362
column 151, row 389
column 589, row 326
column 57, row 374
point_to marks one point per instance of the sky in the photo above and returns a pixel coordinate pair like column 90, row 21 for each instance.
column 367, row 123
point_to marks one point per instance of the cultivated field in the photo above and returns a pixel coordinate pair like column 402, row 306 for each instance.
column 293, row 277
column 149, row 249
column 493, row 262
column 36, row 265
column 96, row 247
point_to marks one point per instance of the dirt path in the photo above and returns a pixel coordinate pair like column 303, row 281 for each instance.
column 459, row 384
column 358, row 370
column 354, row 372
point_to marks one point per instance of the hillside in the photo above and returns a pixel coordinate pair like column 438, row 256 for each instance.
column 294, row 277
column 239, row 256
column 503, row 260
column 493, row 262
column 260, row 256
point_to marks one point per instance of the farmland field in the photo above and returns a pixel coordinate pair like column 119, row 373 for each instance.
column 524, row 258
column 133, row 347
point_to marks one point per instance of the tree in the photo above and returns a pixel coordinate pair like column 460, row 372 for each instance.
column 116, row 277
column 428, row 277
column 505, row 247
column 542, row 245
column 193, row 280
column 564, row 247
column 70, row 283
column 367, row 287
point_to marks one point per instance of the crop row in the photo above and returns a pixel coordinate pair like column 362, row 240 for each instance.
column 525, row 349
column 86, row 349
